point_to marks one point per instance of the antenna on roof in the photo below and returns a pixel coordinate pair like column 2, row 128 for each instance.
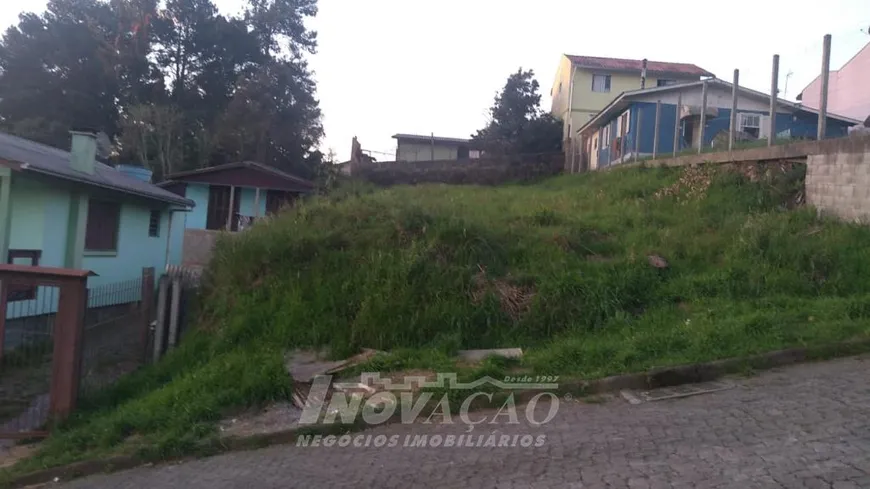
column 643, row 75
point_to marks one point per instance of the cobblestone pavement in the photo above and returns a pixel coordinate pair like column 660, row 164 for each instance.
column 803, row 427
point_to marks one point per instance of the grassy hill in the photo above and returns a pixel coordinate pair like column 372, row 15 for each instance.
column 560, row 268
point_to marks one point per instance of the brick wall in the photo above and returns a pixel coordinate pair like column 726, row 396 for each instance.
column 484, row 171
column 838, row 183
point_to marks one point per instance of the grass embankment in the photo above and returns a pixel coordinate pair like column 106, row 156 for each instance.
column 559, row 268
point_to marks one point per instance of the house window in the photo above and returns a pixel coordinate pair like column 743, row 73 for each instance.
column 600, row 83
column 663, row 82
column 606, row 135
column 101, row 231
column 154, row 224
column 22, row 257
column 626, row 122
column 750, row 124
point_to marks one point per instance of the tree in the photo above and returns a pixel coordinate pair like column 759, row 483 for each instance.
column 153, row 135
column 278, row 26
column 57, row 72
column 517, row 123
column 175, row 84
column 275, row 119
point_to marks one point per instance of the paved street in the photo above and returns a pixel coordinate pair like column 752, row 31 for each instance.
column 802, row 427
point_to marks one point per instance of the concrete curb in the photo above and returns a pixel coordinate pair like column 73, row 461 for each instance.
column 651, row 379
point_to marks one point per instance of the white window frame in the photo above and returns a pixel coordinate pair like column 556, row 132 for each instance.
column 607, row 82
column 627, row 115
column 742, row 121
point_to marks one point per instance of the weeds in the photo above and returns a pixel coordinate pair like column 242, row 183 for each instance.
column 559, row 268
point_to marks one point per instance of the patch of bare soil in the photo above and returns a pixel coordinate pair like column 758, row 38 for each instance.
column 515, row 299
column 692, row 184
column 11, row 455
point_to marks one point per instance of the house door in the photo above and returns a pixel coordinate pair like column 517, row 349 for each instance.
column 688, row 133
column 219, row 207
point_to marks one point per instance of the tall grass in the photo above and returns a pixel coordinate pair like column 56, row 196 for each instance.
column 426, row 269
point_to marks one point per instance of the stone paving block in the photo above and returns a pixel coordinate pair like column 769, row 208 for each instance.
column 800, row 427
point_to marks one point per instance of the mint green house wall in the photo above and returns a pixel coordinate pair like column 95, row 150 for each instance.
column 247, row 205
column 40, row 220
column 136, row 250
column 198, row 192
column 38, row 212
column 28, row 224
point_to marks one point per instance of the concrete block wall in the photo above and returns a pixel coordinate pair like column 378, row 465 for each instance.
column 839, row 183
column 198, row 245
column 483, row 171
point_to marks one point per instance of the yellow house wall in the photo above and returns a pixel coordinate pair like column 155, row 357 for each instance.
column 588, row 101
column 559, row 106
column 423, row 152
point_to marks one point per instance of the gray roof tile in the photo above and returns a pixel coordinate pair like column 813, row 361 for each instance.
column 55, row 162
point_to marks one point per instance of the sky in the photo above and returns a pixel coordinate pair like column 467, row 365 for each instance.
column 424, row 66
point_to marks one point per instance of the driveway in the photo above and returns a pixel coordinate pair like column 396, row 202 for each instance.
column 803, row 427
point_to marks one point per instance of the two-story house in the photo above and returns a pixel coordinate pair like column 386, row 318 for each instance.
column 848, row 88
column 586, row 84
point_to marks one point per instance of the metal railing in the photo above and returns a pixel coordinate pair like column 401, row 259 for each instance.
column 59, row 340
column 26, row 346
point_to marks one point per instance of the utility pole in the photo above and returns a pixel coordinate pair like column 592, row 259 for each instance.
column 643, row 75
column 703, row 117
column 677, row 124
column 774, row 87
column 732, row 128
column 823, row 100
column 656, row 134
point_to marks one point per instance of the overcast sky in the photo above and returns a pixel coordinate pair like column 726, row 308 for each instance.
column 423, row 66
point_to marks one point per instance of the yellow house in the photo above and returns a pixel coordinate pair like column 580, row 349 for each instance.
column 584, row 85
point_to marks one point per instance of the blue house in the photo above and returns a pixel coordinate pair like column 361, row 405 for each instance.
column 228, row 197
column 611, row 136
column 66, row 209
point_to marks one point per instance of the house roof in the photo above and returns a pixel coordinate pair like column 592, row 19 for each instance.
column 270, row 177
column 622, row 100
column 653, row 67
column 47, row 160
column 429, row 139
column 832, row 72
